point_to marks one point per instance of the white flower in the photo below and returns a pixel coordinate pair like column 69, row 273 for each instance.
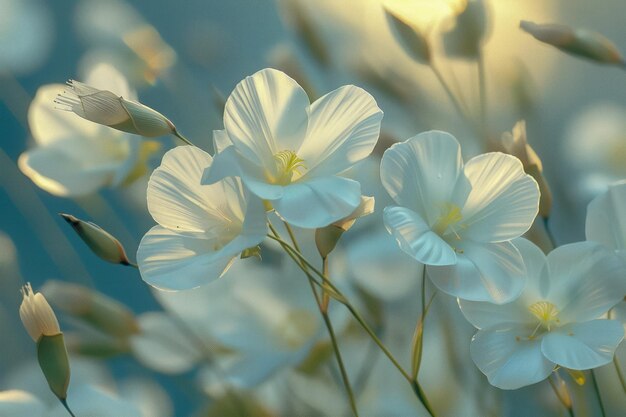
column 555, row 321
column 37, row 315
column 202, row 228
column 459, row 220
column 606, row 218
column 291, row 152
column 75, row 157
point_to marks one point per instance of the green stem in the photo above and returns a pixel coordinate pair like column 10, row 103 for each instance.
column 596, row 388
column 562, row 400
column 620, row 374
column 181, row 137
column 67, row 407
column 482, row 91
column 549, row 231
column 329, row 326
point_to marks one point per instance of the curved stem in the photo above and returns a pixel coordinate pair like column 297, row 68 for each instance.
column 596, row 388
column 181, row 137
column 64, row 402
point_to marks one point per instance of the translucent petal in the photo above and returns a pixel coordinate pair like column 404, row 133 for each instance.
column 422, row 173
column 583, row 345
column 504, row 200
column 584, row 280
column 318, row 202
column 266, row 113
column 605, row 218
column 493, row 272
column 343, row 128
column 507, row 359
column 415, row 237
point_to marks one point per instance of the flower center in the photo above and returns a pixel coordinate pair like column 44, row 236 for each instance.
column 287, row 165
column 448, row 220
column 547, row 314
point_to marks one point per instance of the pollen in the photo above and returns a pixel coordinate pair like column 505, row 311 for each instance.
column 546, row 312
column 289, row 166
column 448, row 221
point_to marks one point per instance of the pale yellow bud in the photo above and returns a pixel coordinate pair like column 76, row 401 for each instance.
column 410, row 38
column 99, row 240
column 366, row 207
column 37, row 315
column 105, row 108
column 580, row 42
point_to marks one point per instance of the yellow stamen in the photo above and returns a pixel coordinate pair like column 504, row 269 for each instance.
column 451, row 215
column 546, row 312
column 287, row 164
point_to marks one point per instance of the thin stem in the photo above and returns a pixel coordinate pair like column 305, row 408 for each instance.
column 482, row 91
column 562, row 400
column 181, row 137
column 67, row 407
column 620, row 374
column 323, row 308
column 596, row 388
column 549, row 232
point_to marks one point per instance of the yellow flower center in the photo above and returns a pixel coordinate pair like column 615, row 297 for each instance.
column 547, row 314
column 287, row 164
column 448, row 221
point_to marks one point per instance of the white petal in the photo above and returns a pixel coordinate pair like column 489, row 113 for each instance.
column 583, row 345
column 415, row 237
column 48, row 124
column 163, row 346
column 318, row 202
column 343, row 129
column 171, row 261
column 229, row 163
column 584, row 280
column 509, row 363
column 221, row 140
column 59, row 173
column 606, row 222
column 493, row 272
column 178, row 201
column 484, row 314
column 422, row 173
column 105, row 76
column 504, row 200
column 266, row 113
column 17, row 403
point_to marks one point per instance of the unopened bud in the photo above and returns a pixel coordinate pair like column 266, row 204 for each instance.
column 96, row 345
column 515, row 143
column 92, row 307
column 326, row 238
column 43, row 327
column 410, row 38
column 469, row 32
column 99, row 241
column 580, row 42
column 106, row 108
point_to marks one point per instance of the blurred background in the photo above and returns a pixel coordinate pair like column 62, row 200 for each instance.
column 184, row 58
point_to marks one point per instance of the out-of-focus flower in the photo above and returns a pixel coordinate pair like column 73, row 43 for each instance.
column 459, row 219
column 606, row 218
column 555, row 321
column 99, row 240
column 75, row 157
column 515, row 143
column 470, row 30
column 290, row 152
column 579, row 42
column 43, row 327
column 414, row 41
column 18, row 403
column 106, row 108
column 202, row 228
column 26, row 35
column 595, row 144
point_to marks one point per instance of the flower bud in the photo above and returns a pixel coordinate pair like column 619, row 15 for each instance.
column 516, row 144
column 43, row 327
column 99, row 241
column 412, row 40
column 469, row 32
column 326, row 238
column 580, row 42
column 105, row 108
column 96, row 309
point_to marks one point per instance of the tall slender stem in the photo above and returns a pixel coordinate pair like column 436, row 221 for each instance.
column 67, row 407
column 620, row 374
column 482, row 91
column 562, row 399
column 596, row 388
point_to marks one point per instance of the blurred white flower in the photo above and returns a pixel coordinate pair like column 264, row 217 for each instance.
column 75, row 157
column 459, row 219
column 606, row 218
column 202, row 228
column 291, row 152
column 26, row 35
column 555, row 321
column 18, row 403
